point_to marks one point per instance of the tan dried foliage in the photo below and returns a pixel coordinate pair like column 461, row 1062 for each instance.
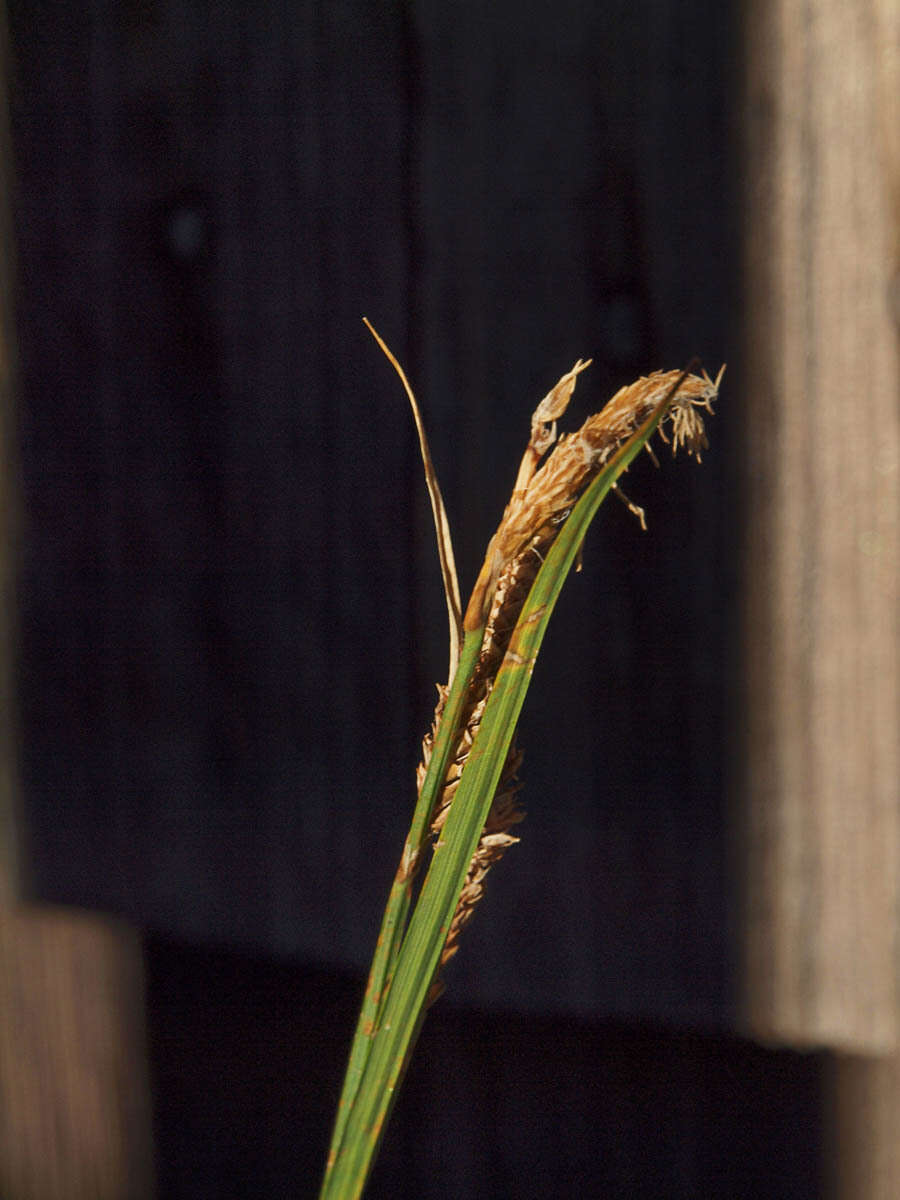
column 542, row 499
column 551, row 491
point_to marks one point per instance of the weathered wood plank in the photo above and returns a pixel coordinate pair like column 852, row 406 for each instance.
column 75, row 1121
column 862, row 1157
column 820, row 704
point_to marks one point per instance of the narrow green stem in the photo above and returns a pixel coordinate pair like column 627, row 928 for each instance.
column 393, row 924
column 400, row 1015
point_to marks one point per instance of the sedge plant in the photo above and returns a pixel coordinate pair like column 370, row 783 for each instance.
column 467, row 780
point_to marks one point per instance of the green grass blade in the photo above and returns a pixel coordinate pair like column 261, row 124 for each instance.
column 400, row 1016
column 393, row 924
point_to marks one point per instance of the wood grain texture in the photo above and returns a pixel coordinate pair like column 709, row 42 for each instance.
column 862, row 1095
column 75, row 1121
column 820, row 703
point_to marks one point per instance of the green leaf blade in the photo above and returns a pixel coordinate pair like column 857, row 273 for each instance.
column 393, row 925
column 419, row 955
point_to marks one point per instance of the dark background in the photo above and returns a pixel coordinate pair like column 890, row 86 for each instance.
column 231, row 615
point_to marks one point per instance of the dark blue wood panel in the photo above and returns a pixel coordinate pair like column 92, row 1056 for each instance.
column 231, row 614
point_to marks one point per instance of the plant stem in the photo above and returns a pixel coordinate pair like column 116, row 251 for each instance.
column 397, row 1009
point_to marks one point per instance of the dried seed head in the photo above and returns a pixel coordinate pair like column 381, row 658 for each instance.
column 543, row 428
column 550, row 492
column 604, row 433
column 555, row 403
column 551, row 408
column 540, row 503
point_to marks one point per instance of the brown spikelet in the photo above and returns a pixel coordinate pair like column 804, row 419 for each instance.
column 578, row 457
column 541, row 501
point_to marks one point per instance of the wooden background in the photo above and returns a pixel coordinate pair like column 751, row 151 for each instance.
column 229, row 612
